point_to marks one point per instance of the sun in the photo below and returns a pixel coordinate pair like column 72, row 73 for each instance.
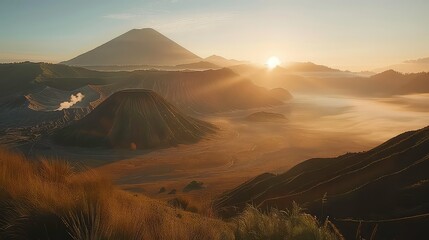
column 273, row 62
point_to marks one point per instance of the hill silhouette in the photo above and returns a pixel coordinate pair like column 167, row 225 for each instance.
column 387, row 182
column 198, row 65
column 136, row 47
column 223, row 62
column 385, row 84
column 281, row 94
column 394, row 82
column 136, row 119
column 308, row 67
column 388, row 75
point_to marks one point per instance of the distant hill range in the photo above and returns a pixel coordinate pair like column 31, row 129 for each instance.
column 136, row 47
column 409, row 66
column 198, row 65
column 134, row 119
column 313, row 78
column 194, row 91
column 223, row 62
column 387, row 182
column 308, row 67
column 212, row 62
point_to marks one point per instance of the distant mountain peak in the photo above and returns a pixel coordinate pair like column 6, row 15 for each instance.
column 144, row 46
column 143, row 29
column 214, row 56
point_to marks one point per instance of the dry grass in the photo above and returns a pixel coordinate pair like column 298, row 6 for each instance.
column 47, row 199
column 253, row 224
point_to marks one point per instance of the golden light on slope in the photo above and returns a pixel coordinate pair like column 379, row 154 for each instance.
column 273, row 62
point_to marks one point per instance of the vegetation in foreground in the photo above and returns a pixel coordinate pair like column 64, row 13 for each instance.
column 48, row 199
column 279, row 225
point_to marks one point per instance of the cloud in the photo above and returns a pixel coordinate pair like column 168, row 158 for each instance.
column 73, row 100
column 121, row 16
column 420, row 60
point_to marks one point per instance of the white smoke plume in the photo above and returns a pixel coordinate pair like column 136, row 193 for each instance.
column 73, row 100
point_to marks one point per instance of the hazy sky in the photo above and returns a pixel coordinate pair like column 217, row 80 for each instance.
column 348, row 34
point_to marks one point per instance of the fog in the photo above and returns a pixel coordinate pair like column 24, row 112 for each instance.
column 315, row 126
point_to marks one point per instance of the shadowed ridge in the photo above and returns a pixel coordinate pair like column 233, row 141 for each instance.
column 136, row 119
column 388, row 181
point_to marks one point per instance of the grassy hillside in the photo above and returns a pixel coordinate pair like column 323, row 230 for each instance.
column 48, row 199
column 384, row 183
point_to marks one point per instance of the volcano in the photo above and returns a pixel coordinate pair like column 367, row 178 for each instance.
column 134, row 119
column 136, row 47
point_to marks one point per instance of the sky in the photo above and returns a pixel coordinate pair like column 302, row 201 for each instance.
column 346, row 34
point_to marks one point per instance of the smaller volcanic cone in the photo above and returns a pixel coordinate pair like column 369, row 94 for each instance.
column 134, row 119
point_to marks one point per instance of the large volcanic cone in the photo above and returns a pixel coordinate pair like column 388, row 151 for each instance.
column 136, row 47
column 134, row 119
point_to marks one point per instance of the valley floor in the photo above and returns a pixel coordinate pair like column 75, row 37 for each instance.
column 316, row 126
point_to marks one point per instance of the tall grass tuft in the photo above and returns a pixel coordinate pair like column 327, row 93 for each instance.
column 47, row 199
column 275, row 224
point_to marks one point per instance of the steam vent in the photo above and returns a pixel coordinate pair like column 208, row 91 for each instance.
column 134, row 119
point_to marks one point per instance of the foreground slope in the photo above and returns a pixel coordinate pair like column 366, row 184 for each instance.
column 134, row 119
column 387, row 182
column 136, row 47
column 49, row 199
